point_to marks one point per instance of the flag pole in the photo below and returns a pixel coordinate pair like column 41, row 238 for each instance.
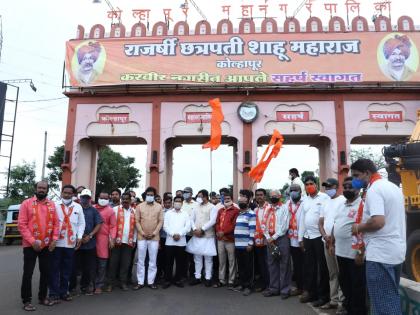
column 211, row 170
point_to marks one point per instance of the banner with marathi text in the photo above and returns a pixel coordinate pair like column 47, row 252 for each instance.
column 299, row 58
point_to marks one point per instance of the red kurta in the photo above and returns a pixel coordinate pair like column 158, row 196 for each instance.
column 108, row 230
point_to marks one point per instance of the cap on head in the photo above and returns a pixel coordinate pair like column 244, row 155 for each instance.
column 86, row 192
column 330, row 182
column 188, row 189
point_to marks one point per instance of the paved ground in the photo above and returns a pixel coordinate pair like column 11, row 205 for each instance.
column 197, row 300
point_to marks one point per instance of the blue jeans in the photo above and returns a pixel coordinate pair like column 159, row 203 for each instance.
column 61, row 265
column 382, row 282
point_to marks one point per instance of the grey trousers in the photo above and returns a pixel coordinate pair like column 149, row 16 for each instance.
column 336, row 295
column 280, row 270
column 226, row 249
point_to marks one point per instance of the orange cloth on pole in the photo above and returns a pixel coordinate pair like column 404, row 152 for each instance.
column 276, row 142
column 216, row 128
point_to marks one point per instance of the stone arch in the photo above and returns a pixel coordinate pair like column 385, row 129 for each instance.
column 203, row 28
column 314, row 25
column 117, row 30
column 160, row 29
column 138, row 30
column 405, row 24
column 383, row 24
column 80, row 32
column 265, row 26
column 97, row 31
column 336, row 24
column 225, row 26
column 181, row 28
column 359, row 24
column 247, row 26
column 291, row 25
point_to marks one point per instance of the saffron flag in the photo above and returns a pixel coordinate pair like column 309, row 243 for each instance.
column 276, row 142
column 215, row 123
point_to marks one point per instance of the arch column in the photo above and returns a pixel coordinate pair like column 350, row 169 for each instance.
column 155, row 145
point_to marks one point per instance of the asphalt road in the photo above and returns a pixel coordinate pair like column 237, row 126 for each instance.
column 197, row 300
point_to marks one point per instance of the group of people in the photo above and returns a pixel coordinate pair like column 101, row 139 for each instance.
column 335, row 247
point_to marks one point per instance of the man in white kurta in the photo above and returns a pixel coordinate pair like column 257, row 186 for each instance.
column 202, row 244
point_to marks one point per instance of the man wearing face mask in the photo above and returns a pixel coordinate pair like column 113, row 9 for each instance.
column 296, row 180
column 202, row 244
column 105, row 239
column 149, row 221
column 85, row 256
column 351, row 265
column 326, row 222
column 126, row 236
column 188, row 206
column 225, row 226
column 310, row 240
column 383, row 227
column 294, row 206
column 279, row 268
column 39, row 226
column 176, row 224
column 72, row 227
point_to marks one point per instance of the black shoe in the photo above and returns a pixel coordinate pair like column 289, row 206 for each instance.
column 153, row 286
column 207, row 283
column 166, row 285
column 319, row 303
column 195, row 281
column 284, row 296
column 138, row 287
column 179, row 284
column 306, row 298
column 269, row 293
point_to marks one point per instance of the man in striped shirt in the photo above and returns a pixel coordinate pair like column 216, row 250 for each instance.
column 244, row 243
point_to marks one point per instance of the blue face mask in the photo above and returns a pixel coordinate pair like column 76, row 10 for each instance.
column 222, row 199
column 331, row 192
column 295, row 196
column 358, row 183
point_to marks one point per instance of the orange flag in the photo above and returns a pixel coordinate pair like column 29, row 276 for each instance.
column 216, row 121
column 276, row 142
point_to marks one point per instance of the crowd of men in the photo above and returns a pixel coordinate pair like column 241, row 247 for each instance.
column 338, row 249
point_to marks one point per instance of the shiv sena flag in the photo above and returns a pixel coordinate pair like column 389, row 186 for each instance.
column 215, row 123
column 276, row 142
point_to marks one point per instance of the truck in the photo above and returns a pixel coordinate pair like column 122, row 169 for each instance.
column 10, row 231
column 403, row 167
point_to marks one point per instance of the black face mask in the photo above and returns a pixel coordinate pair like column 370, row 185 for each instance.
column 243, row 205
column 40, row 195
column 349, row 194
column 274, row 200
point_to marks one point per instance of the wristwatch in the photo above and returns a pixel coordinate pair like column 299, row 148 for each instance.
column 90, row 235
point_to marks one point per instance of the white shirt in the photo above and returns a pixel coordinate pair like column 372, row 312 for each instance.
column 208, row 224
column 188, row 207
column 176, row 222
column 282, row 221
column 387, row 245
column 344, row 220
column 329, row 211
column 77, row 221
column 293, row 241
column 126, row 229
column 311, row 209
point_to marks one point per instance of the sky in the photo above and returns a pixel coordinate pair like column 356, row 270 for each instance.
column 34, row 36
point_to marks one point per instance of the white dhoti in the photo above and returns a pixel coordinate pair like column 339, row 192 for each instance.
column 202, row 247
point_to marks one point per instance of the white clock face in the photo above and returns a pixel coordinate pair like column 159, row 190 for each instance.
column 248, row 113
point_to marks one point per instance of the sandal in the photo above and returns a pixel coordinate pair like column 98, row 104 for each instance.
column 48, row 302
column 29, row 307
column 67, row 298
column 218, row 285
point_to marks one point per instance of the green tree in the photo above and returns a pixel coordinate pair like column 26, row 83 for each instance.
column 22, row 182
column 54, row 165
column 367, row 153
column 113, row 170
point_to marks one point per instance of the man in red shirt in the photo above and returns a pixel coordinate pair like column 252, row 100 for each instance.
column 225, row 226
column 39, row 226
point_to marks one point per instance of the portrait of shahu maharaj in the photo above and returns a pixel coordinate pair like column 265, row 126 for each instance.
column 396, row 51
column 87, row 55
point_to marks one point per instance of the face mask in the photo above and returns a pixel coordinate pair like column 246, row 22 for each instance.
column 177, row 205
column 84, row 201
column 66, row 201
column 295, row 196
column 358, row 183
column 222, row 199
column 290, row 177
column 74, row 198
column 186, row 195
column 349, row 194
column 331, row 192
column 311, row 189
column 243, row 205
column 228, row 204
column 103, row 202
column 274, row 200
column 199, row 200
column 41, row 196
column 150, row 199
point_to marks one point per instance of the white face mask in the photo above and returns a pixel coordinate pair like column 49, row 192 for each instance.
column 177, row 205
column 150, row 199
column 290, row 177
column 66, row 201
column 199, row 200
column 103, row 202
